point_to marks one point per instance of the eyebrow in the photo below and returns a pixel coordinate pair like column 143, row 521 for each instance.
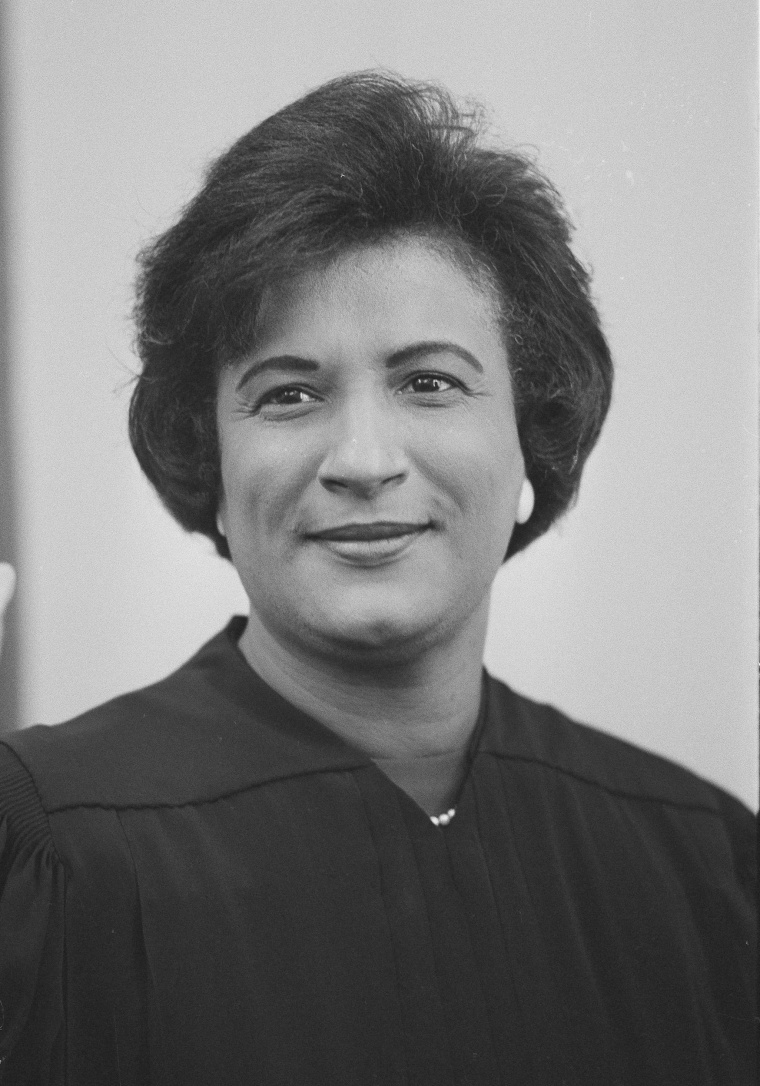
column 411, row 353
column 427, row 347
column 289, row 362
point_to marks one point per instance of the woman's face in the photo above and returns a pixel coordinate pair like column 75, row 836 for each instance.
column 369, row 455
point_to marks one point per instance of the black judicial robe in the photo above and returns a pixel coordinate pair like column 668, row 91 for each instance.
column 202, row 885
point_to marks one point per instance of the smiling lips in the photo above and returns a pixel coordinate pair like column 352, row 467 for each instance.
column 367, row 533
column 370, row 544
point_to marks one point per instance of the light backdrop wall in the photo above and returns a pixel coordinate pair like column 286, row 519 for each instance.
column 639, row 613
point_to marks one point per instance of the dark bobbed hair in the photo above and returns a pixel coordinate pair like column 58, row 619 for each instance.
column 358, row 161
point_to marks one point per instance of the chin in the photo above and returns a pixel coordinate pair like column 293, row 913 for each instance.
column 377, row 637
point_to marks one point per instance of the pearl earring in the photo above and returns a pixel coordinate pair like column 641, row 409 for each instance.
column 526, row 502
column 219, row 525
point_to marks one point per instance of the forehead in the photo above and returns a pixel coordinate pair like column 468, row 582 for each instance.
column 390, row 291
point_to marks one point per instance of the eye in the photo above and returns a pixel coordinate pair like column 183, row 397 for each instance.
column 426, row 383
column 287, row 396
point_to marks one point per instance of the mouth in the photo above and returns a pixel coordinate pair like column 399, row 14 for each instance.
column 371, row 544
column 368, row 533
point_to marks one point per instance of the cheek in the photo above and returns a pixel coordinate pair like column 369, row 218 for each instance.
column 263, row 480
column 481, row 469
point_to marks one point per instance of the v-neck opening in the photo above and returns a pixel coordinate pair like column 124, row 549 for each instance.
column 461, row 802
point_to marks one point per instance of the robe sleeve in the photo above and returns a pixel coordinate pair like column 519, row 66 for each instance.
column 742, row 827
column 32, row 896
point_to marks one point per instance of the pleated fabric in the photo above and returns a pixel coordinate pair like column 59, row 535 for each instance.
column 201, row 885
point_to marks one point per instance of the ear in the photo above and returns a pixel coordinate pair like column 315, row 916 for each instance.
column 526, row 502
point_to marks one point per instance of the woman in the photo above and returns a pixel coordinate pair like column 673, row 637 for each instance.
column 330, row 848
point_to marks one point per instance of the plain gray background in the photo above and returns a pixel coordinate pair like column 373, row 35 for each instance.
column 639, row 613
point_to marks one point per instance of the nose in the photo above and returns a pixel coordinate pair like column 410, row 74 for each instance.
column 364, row 454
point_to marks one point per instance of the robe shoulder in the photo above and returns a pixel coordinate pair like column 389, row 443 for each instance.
column 212, row 728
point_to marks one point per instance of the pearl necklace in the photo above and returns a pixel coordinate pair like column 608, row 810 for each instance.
column 445, row 818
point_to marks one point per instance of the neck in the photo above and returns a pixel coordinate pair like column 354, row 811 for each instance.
column 424, row 707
